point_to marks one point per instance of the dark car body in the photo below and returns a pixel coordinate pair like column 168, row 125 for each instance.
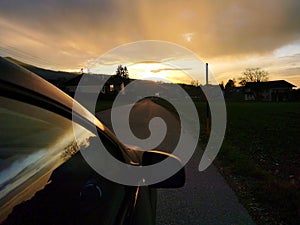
column 43, row 177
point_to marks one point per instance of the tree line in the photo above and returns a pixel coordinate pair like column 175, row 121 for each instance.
column 249, row 75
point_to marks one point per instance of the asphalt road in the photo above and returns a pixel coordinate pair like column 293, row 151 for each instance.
column 206, row 198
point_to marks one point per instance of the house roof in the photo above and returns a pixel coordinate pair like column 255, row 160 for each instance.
column 269, row 84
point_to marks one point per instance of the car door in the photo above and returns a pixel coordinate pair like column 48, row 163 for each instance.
column 38, row 153
column 43, row 177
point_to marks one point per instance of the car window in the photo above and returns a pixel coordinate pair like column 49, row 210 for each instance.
column 33, row 142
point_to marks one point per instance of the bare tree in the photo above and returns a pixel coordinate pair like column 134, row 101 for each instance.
column 253, row 75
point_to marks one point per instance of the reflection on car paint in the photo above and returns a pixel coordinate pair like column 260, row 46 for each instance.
column 28, row 156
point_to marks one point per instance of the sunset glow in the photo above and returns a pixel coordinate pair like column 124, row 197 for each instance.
column 158, row 72
column 229, row 35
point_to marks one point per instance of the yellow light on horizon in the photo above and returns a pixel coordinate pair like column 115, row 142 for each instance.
column 158, row 72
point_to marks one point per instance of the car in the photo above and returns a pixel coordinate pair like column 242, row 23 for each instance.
column 43, row 177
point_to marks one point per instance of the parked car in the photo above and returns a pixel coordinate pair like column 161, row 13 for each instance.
column 43, row 177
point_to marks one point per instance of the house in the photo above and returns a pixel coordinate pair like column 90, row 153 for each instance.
column 278, row 90
column 89, row 84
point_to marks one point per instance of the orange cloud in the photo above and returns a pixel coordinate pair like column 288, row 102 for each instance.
column 70, row 33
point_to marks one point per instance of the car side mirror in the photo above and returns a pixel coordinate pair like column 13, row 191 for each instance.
column 175, row 181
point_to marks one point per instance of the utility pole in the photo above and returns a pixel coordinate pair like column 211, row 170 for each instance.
column 207, row 105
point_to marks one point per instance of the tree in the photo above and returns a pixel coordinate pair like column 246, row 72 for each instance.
column 229, row 88
column 230, row 85
column 195, row 83
column 222, row 86
column 125, row 73
column 122, row 72
column 253, row 75
column 119, row 71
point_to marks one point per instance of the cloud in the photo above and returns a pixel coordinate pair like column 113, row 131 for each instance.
column 76, row 31
column 251, row 23
column 295, row 70
column 169, row 69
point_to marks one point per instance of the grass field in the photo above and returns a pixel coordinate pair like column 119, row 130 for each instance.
column 260, row 157
column 103, row 105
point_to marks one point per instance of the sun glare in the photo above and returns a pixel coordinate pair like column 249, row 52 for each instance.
column 158, row 72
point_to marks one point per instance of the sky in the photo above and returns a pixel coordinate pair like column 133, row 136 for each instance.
column 231, row 35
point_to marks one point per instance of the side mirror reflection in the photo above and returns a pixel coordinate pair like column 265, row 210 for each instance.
column 175, row 181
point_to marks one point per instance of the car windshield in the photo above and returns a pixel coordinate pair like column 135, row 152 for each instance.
column 33, row 142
